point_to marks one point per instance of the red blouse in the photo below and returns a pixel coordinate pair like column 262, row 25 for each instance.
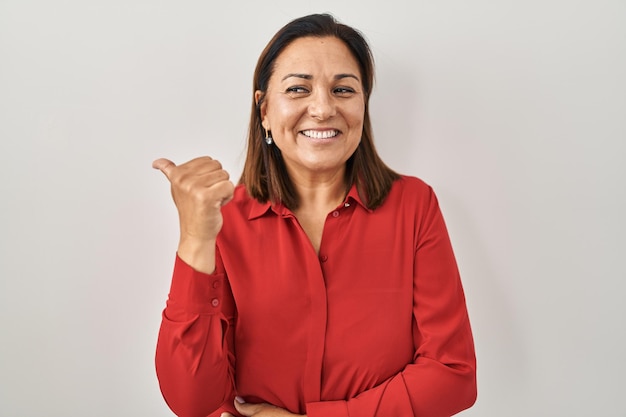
column 373, row 325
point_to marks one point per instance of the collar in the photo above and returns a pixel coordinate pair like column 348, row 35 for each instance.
column 354, row 197
column 258, row 209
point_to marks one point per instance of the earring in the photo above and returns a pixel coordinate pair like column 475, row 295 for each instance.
column 268, row 137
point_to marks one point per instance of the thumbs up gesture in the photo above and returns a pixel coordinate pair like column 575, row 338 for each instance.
column 200, row 188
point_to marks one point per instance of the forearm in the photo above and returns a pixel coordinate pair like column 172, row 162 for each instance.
column 192, row 367
column 199, row 254
column 193, row 358
column 425, row 389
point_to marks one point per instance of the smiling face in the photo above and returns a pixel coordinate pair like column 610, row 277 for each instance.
column 314, row 105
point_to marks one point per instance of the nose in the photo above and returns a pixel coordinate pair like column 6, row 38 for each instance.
column 322, row 105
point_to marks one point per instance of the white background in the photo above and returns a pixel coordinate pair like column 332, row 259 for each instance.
column 515, row 112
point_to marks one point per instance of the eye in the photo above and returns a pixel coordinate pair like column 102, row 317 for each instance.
column 297, row 89
column 343, row 91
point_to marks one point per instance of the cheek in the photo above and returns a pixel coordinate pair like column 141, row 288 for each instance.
column 283, row 113
column 356, row 114
column 356, row 121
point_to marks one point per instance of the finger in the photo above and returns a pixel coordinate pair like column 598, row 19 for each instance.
column 198, row 167
column 254, row 409
column 202, row 160
column 204, row 165
column 224, row 191
column 212, row 177
column 243, row 408
column 164, row 165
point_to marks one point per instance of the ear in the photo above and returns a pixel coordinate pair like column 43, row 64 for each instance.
column 258, row 94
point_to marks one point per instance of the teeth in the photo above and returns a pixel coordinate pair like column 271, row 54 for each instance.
column 324, row 134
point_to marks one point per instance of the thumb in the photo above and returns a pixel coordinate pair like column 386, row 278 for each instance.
column 164, row 165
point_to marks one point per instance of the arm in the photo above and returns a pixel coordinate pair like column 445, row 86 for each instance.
column 441, row 380
column 194, row 360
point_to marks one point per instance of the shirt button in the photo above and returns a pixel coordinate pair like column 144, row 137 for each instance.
column 335, row 213
column 323, row 258
column 216, row 284
column 215, row 302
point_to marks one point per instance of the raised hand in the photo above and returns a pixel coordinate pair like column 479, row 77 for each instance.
column 200, row 188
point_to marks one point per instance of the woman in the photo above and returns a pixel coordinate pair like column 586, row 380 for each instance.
column 324, row 283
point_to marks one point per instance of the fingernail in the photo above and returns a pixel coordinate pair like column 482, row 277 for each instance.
column 240, row 400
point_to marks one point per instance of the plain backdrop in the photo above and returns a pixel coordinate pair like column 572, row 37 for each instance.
column 514, row 111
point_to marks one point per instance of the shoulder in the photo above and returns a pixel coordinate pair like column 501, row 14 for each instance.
column 410, row 182
column 410, row 196
column 408, row 187
column 241, row 199
column 241, row 195
column 243, row 205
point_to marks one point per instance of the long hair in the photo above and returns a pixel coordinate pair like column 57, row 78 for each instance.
column 265, row 174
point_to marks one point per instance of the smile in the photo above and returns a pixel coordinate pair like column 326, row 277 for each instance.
column 320, row 134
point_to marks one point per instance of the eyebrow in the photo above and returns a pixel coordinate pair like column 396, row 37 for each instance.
column 310, row 77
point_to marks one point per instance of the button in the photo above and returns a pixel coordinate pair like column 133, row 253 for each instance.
column 216, row 284
column 323, row 258
column 215, row 302
column 335, row 213
column 347, row 205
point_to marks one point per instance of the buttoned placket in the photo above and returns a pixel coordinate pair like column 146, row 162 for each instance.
column 319, row 303
column 332, row 224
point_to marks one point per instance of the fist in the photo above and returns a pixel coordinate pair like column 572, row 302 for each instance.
column 200, row 188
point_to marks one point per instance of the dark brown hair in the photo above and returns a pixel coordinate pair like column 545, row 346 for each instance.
column 264, row 174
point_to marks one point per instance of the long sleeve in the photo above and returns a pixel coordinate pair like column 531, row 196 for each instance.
column 194, row 360
column 441, row 380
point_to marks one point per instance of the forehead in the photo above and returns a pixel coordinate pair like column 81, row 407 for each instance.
column 316, row 55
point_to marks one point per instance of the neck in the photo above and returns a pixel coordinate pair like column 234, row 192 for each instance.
column 320, row 192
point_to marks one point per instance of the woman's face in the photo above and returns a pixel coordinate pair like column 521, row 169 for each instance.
column 314, row 105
